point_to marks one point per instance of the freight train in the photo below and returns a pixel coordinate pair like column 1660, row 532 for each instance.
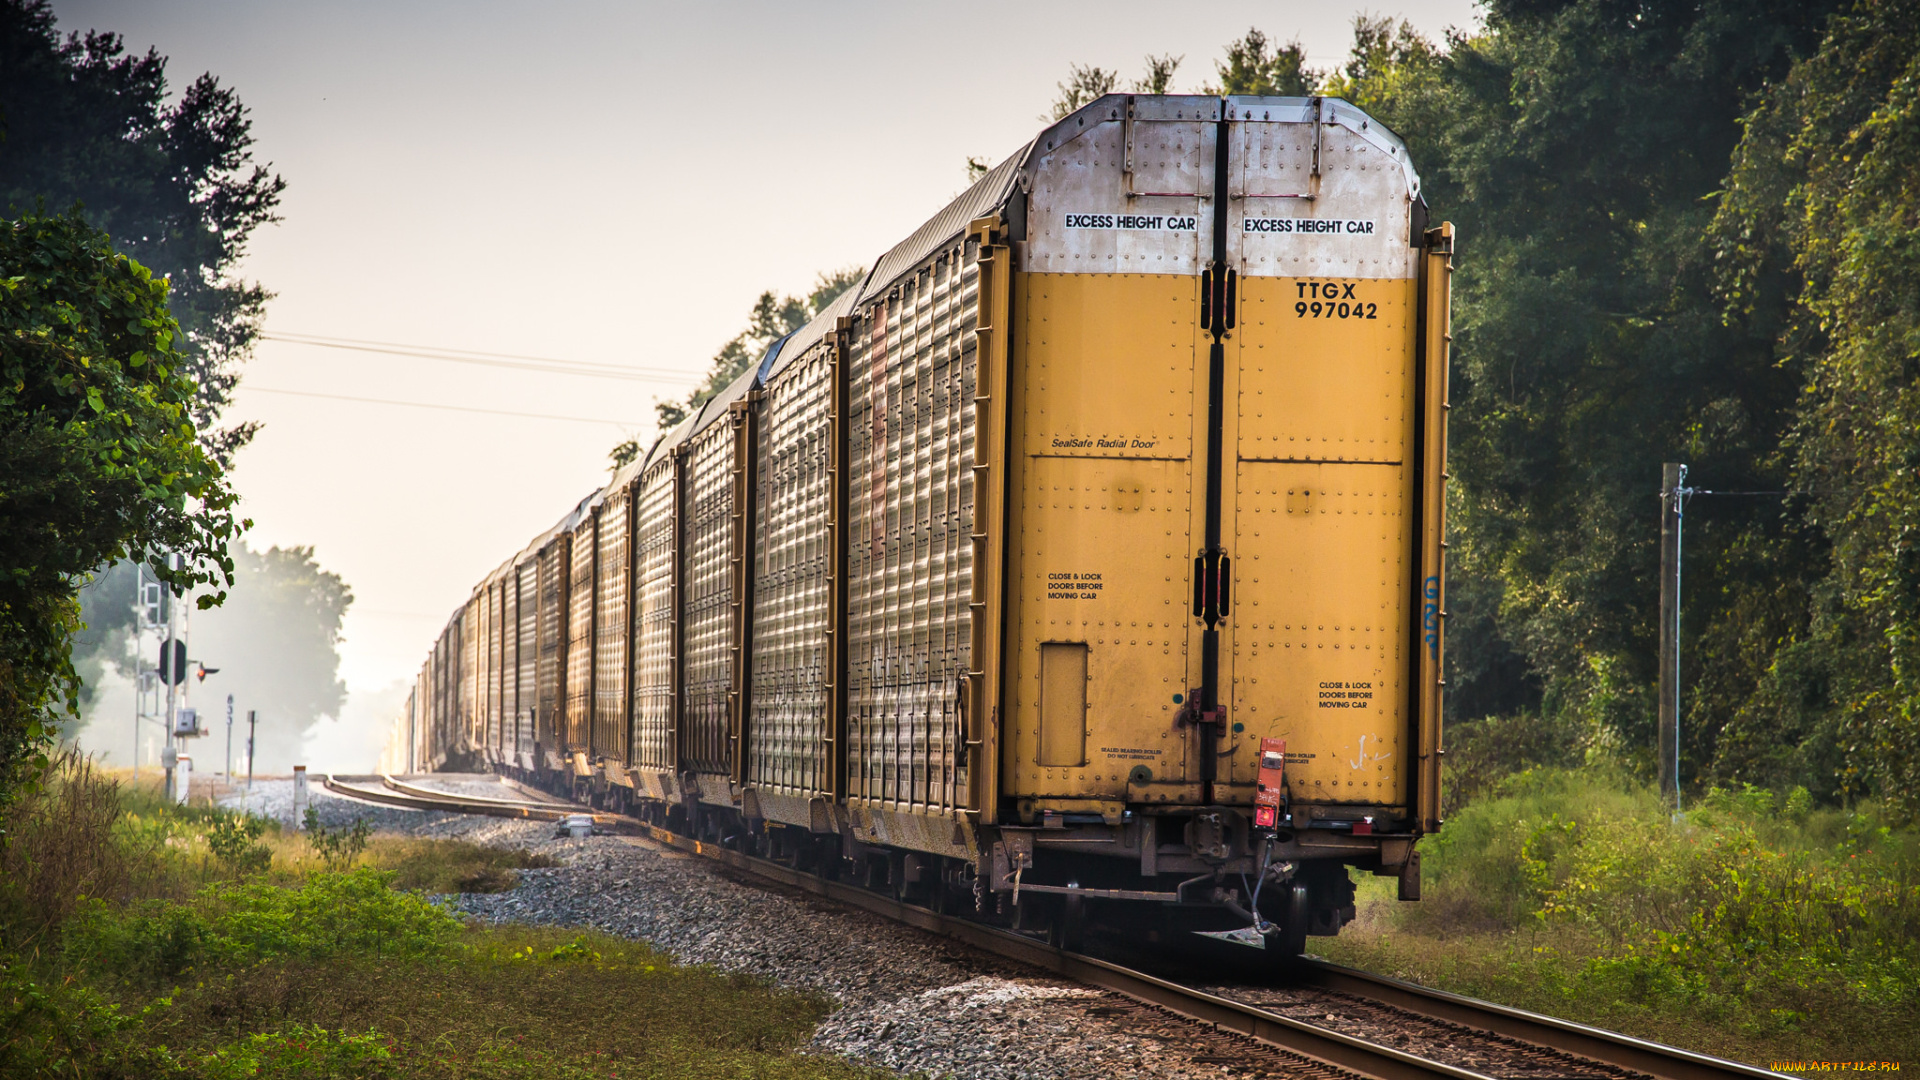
column 1082, row 566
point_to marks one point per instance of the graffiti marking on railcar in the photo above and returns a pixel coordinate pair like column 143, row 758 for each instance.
column 1074, row 585
column 1335, row 694
column 1134, row 222
column 1365, row 757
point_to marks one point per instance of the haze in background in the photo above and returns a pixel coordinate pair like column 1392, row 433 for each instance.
column 600, row 182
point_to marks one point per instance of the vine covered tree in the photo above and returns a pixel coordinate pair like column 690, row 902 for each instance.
column 99, row 459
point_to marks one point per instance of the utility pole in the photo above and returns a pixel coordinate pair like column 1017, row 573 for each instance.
column 229, row 770
column 250, row 722
column 1673, row 496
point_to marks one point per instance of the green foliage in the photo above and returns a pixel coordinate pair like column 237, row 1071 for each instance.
column 772, row 317
column 1753, row 925
column 234, row 840
column 64, row 842
column 101, row 458
column 455, row 866
column 345, row 975
column 1256, row 66
column 1829, row 177
column 1702, row 907
column 298, row 1050
column 338, row 848
column 56, row 1028
column 1085, row 83
column 87, row 124
column 329, row 914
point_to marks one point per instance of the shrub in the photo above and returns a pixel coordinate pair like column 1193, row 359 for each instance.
column 331, row 914
column 337, row 848
column 234, row 841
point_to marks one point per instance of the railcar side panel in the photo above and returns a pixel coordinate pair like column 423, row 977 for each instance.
column 653, row 621
column 910, row 553
column 472, row 645
column 552, row 665
column 788, row 739
column 707, row 615
column 610, row 670
column 580, row 626
column 495, row 617
column 527, row 660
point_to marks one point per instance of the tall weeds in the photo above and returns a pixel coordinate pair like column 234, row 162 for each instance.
column 62, row 846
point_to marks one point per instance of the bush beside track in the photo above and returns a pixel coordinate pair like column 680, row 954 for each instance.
column 142, row 940
column 1754, row 927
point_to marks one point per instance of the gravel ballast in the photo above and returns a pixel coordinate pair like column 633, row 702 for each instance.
column 907, row 1001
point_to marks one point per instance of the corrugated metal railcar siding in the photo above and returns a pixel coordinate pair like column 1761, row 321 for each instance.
column 706, row 634
column 509, row 660
column 579, row 710
column 610, row 639
column 496, row 652
column 442, row 696
column 437, row 707
column 653, row 620
column 792, row 581
column 910, row 558
column 468, row 714
column 527, row 655
column 553, row 646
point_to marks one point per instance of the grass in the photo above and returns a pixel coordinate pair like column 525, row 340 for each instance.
column 1753, row 927
column 164, row 957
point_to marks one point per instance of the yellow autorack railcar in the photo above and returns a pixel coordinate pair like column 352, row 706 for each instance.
column 1083, row 564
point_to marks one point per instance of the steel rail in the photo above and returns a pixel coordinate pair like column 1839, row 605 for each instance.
column 1598, row 1044
column 423, row 799
column 1320, row 1045
column 395, row 783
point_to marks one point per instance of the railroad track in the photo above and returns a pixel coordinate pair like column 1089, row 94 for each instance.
column 389, row 791
column 1529, row 1045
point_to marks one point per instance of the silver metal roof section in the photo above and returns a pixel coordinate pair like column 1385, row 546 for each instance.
column 817, row 328
column 715, row 407
column 1334, row 112
column 986, row 195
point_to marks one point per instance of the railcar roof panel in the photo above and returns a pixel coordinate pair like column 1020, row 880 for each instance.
column 985, row 196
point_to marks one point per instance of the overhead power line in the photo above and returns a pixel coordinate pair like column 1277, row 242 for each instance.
column 622, row 424
column 543, row 364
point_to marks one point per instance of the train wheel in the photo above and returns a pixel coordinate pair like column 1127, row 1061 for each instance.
column 940, row 897
column 1290, row 939
column 1069, row 929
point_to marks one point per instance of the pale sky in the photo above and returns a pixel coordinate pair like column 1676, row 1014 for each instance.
column 598, row 182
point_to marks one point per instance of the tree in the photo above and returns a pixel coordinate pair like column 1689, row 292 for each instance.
column 1579, row 146
column 276, row 643
column 1254, row 67
column 1827, row 183
column 1393, row 72
column 1159, row 76
column 83, row 123
column 1084, row 83
column 99, row 458
column 772, row 317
